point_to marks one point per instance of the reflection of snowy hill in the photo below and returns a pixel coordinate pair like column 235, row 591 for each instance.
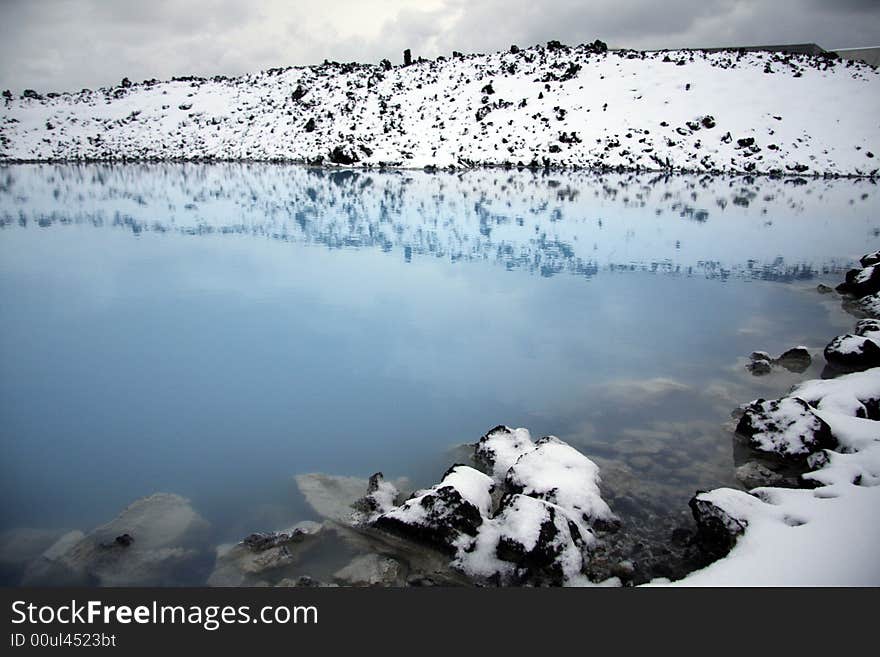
column 554, row 105
column 547, row 223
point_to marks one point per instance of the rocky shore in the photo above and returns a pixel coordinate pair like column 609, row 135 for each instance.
column 547, row 106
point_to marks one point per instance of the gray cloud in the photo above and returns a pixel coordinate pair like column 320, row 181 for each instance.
column 67, row 44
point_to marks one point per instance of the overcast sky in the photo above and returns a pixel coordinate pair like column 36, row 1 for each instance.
column 62, row 45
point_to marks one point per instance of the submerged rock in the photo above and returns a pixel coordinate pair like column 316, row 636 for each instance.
column 786, row 427
column 20, row 546
column 262, row 557
column 754, row 474
column 158, row 540
column 342, row 498
column 372, row 570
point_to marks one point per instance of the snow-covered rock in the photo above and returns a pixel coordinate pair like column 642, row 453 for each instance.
column 861, row 282
column 557, row 473
column 787, row 427
column 868, row 306
column 529, row 541
column 856, row 395
column 825, row 534
column 446, row 515
column 381, row 496
column 500, row 448
column 539, row 532
column 852, row 353
column 541, row 106
column 870, row 259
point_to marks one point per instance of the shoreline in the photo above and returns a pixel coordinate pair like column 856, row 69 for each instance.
column 452, row 170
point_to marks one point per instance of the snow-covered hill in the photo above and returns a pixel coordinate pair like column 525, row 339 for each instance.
column 548, row 105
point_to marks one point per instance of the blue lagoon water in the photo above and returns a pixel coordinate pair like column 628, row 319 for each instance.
column 213, row 330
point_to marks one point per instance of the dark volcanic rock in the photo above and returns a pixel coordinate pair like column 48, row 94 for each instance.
column 717, row 531
column 786, row 427
column 796, row 360
column 441, row 515
column 852, row 353
column 870, row 259
column 861, row 282
column 343, row 155
column 548, row 557
column 758, row 367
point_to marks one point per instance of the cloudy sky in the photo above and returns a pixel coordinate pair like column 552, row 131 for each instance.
column 69, row 44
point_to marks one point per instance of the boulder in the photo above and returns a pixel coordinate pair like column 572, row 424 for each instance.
column 759, row 367
column 717, row 529
column 445, row 514
column 529, row 541
column 557, row 473
column 786, row 427
column 499, row 449
column 796, row 359
column 861, row 282
column 867, row 306
column 381, row 497
column 870, row 259
column 853, row 353
column 344, row 154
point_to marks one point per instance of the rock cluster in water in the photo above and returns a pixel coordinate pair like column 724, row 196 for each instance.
column 826, row 431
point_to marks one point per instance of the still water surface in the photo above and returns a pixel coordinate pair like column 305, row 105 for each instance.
column 212, row 330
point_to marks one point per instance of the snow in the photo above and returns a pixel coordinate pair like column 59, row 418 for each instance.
column 473, row 486
column 824, row 536
column 786, row 427
column 845, row 395
column 521, row 522
column 870, row 305
column 558, row 473
column 502, row 447
column 675, row 110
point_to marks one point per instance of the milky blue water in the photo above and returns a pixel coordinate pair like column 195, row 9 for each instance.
column 212, row 330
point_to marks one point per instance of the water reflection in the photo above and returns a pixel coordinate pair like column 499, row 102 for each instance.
column 545, row 223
